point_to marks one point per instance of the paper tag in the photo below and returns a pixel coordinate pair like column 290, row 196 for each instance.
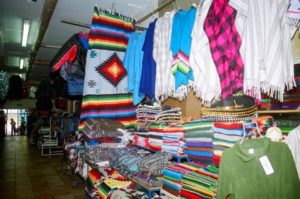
column 264, row 160
column 251, row 151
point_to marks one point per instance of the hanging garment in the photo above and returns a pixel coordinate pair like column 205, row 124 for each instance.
column 4, row 82
column 133, row 64
column 147, row 84
column 105, row 93
column 293, row 141
column 258, row 168
column 266, row 48
column 164, row 81
column 206, row 84
column 183, row 22
column 73, row 49
column 225, row 42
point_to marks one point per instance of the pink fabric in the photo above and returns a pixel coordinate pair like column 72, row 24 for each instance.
column 225, row 43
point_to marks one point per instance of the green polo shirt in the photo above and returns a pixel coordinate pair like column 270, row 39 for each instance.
column 242, row 174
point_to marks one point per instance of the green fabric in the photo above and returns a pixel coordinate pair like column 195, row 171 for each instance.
column 242, row 176
column 198, row 135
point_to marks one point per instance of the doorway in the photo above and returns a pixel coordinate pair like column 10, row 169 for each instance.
column 20, row 118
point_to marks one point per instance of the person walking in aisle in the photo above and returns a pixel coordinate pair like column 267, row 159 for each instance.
column 13, row 127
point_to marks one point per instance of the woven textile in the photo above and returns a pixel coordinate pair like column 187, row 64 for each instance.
column 109, row 31
column 105, row 93
column 225, row 42
column 118, row 107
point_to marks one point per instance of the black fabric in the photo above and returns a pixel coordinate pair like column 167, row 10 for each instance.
column 15, row 90
column 44, row 95
column 238, row 99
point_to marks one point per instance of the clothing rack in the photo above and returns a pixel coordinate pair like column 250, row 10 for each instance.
column 85, row 25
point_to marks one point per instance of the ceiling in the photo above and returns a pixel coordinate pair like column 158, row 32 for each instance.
column 47, row 35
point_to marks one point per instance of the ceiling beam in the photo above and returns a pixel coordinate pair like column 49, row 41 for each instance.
column 41, row 62
column 47, row 13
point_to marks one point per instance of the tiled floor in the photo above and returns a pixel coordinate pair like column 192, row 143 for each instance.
column 25, row 174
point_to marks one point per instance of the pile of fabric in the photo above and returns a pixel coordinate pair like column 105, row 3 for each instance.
column 161, row 137
column 226, row 134
column 146, row 115
column 140, row 166
column 286, row 125
column 172, row 115
column 142, row 140
column 200, row 183
column 173, row 174
column 171, row 137
column 198, row 137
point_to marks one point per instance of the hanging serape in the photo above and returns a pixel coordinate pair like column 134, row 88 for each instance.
column 225, row 43
column 183, row 22
column 105, row 92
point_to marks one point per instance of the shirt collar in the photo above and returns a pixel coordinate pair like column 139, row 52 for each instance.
column 258, row 146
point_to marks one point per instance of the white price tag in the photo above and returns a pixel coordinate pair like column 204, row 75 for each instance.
column 251, row 151
column 265, row 163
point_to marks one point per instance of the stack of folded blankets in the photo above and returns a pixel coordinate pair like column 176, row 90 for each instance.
column 198, row 136
column 141, row 140
column 172, row 115
column 161, row 137
column 226, row 134
column 172, row 179
column 286, row 125
column 146, row 115
column 200, row 183
column 102, row 130
column 172, row 138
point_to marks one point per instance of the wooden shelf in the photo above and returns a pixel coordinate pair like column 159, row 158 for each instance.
column 278, row 111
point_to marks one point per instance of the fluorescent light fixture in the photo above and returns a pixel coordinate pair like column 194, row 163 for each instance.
column 21, row 63
column 26, row 26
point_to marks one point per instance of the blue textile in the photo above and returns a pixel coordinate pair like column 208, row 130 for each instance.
column 147, row 84
column 199, row 153
column 239, row 132
column 172, row 174
column 133, row 63
column 182, row 27
column 171, row 185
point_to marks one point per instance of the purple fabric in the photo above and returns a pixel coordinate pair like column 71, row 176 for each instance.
column 199, row 144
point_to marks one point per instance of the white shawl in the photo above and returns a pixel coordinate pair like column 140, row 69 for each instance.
column 266, row 47
column 206, row 83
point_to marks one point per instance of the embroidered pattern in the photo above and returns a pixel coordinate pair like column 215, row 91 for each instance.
column 112, row 69
column 92, row 83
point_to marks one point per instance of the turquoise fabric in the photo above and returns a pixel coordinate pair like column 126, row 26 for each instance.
column 241, row 175
column 133, row 64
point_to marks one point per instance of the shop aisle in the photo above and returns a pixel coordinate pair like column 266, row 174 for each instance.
column 25, row 174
